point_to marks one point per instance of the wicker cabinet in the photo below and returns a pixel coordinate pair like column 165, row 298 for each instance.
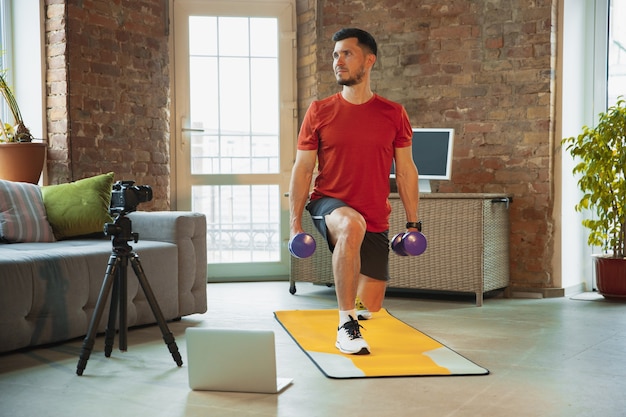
column 468, row 247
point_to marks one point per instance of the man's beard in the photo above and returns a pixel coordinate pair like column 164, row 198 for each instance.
column 352, row 80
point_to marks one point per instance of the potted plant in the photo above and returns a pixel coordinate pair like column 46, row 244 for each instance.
column 601, row 156
column 21, row 159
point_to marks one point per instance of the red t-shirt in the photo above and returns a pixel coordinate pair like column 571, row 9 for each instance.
column 355, row 147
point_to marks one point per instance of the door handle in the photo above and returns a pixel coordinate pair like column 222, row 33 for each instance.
column 185, row 129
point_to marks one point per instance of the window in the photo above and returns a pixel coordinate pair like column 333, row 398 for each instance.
column 5, row 50
column 23, row 59
column 234, row 99
column 616, row 74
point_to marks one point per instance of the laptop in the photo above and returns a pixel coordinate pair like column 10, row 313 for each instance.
column 233, row 360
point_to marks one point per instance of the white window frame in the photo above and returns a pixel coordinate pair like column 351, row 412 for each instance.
column 600, row 57
column 5, row 50
column 582, row 68
column 25, row 67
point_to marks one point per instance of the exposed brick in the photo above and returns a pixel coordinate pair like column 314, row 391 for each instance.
column 117, row 56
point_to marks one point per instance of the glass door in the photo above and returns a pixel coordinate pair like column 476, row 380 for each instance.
column 236, row 127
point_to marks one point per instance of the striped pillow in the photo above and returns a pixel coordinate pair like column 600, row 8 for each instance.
column 22, row 214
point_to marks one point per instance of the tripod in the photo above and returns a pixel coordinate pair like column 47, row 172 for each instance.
column 116, row 279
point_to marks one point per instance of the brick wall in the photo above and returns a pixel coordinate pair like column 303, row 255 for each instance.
column 307, row 57
column 484, row 68
column 58, row 159
column 108, row 92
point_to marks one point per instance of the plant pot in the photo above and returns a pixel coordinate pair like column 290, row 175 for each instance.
column 611, row 276
column 22, row 162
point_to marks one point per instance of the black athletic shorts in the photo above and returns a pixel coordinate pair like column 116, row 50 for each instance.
column 375, row 246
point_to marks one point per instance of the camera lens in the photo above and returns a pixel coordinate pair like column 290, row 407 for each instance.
column 143, row 193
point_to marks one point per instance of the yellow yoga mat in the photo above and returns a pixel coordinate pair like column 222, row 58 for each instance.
column 397, row 349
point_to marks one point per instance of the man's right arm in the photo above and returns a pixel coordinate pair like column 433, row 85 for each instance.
column 299, row 187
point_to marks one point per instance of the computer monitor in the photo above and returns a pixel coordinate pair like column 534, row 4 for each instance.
column 432, row 153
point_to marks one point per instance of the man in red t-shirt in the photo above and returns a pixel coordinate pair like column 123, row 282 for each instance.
column 354, row 136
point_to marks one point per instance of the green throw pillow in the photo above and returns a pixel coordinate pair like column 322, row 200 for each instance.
column 79, row 208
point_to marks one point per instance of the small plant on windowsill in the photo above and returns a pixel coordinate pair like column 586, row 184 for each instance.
column 12, row 133
column 600, row 153
column 21, row 159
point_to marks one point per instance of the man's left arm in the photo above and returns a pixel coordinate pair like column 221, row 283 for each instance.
column 407, row 181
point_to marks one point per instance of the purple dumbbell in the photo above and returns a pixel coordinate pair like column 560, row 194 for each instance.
column 409, row 244
column 396, row 245
column 414, row 243
column 302, row 245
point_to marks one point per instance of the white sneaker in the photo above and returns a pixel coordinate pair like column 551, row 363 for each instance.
column 349, row 339
column 362, row 313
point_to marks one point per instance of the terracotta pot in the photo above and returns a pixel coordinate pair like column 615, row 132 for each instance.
column 610, row 276
column 22, row 162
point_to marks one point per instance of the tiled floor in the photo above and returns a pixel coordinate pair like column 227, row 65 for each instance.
column 547, row 357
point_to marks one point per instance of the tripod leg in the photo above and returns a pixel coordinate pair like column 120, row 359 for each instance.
column 168, row 337
column 109, row 332
column 123, row 282
column 88, row 342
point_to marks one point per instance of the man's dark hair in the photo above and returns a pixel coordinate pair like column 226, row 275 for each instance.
column 366, row 40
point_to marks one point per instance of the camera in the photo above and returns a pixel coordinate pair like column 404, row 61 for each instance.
column 125, row 197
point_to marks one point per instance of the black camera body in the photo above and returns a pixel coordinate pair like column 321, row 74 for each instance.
column 125, row 196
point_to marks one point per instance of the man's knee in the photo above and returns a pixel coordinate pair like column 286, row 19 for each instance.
column 347, row 224
column 347, row 217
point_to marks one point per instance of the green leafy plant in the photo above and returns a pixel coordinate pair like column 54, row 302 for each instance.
column 12, row 133
column 601, row 152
